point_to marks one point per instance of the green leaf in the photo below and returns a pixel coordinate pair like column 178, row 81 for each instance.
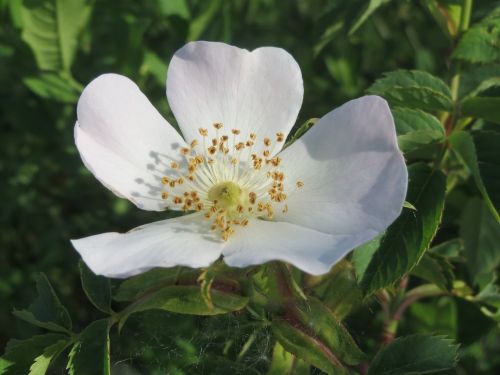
column 483, row 102
column 416, row 128
column 54, row 87
column 482, row 107
column 96, row 288
column 307, row 348
column 321, row 322
column 134, row 287
column 414, row 89
column 406, row 240
column 42, row 362
column 20, row 354
column 284, row 362
column 481, row 155
column 339, row 289
column 51, row 28
column 481, row 43
column 436, row 269
column 369, row 9
column 415, row 354
column 481, row 236
column 362, row 256
column 187, row 299
column 90, row 354
column 46, row 311
column 448, row 249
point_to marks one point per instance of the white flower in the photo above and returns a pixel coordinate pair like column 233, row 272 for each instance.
column 248, row 200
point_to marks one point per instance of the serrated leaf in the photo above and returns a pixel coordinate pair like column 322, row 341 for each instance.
column 481, row 43
column 415, row 354
column 406, row 240
column 20, row 354
column 46, row 311
column 42, row 362
column 90, row 354
column 187, row 299
column 481, row 236
column 51, row 28
column 416, row 128
column 413, row 89
column 435, row 269
column 481, row 155
column 96, row 288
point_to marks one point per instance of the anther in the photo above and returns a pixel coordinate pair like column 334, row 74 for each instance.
column 300, row 184
column 218, row 125
column 235, row 131
column 174, row 165
column 164, row 195
column 203, row 132
column 280, row 137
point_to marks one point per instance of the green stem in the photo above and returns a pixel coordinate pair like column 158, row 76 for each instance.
column 465, row 16
column 464, row 26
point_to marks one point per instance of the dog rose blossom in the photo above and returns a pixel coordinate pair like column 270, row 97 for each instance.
column 245, row 197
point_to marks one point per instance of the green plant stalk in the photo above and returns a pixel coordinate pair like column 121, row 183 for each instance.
column 464, row 26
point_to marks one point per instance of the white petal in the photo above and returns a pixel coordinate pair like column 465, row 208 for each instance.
column 183, row 241
column 262, row 241
column 124, row 141
column 354, row 175
column 259, row 91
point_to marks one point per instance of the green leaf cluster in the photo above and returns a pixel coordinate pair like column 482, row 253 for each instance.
column 423, row 297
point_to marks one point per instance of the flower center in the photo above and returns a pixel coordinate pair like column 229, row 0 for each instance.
column 229, row 196
column 227, row 181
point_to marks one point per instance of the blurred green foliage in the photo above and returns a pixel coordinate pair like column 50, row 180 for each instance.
column 49, row 49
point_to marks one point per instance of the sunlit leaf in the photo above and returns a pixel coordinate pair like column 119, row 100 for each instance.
column 21, row 355
column 413, row 89
column 52, row 27
column 416, row 128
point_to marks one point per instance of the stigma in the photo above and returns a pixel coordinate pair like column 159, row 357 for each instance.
column 227, row 181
